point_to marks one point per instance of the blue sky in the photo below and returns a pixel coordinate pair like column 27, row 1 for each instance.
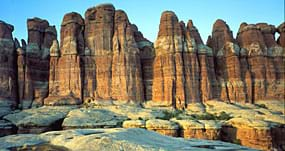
column 146, row 13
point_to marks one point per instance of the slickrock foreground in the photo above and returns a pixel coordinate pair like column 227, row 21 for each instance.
column 230, row 89
column 109, row 140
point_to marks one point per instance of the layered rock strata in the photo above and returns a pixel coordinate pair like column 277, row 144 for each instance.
column 253, row 133
column 33, row 62
column 163, row 127
column 227, row 64
column 264, row 56
column 8, row 68
column 65, row 84
column 112, row 63
column 106, row 58
column 146, row 58
column 175, row 67
column 203, row 129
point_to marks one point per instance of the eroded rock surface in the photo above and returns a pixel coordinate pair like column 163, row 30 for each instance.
column 65, row 85
column 38, row 120
column 92, row 118
column 8, row 71
column 176, row 66
column 33, row 63
column 112, row 63
column 113, row 139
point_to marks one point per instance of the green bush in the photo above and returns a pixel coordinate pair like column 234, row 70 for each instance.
column 261, row 106
column 224, row 116
column 169, row 114
column 208, row 116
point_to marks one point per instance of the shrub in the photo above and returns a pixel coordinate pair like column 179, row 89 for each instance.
column 169, row 114
column 224, row 116
column 208, row 116
column 261, row 106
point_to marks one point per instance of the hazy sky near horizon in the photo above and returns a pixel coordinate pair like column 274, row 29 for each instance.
column 146, row 13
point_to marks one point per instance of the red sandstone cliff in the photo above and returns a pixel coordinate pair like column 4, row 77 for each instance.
column 105, row 57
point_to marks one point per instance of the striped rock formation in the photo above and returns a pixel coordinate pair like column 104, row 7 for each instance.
column 8, row 71
column 34, row 63
column 227, row 63
column 112, row 68
column 65, row 82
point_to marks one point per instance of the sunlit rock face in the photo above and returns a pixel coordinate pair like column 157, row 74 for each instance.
column 99, row 30
column 112, row 67
column 263, row 56
column 8, row 68
column 65, row 84
column 227, row 63
column 176, row 72
column 104, row 57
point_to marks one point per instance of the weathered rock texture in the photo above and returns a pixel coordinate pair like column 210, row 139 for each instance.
column 105, row 58
column 109, row 140
column 183, row 67
column 33, row 63
column 146, row 58
column 227, row 63
column 65, row 84
column 112, row 68
column 8, row 71
column 176, row 67
column 264, row 61
column 259, row 136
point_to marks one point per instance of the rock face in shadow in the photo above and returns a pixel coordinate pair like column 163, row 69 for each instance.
column 146, row 58
column 65, row 86
column 8, row 68
column 33, row 62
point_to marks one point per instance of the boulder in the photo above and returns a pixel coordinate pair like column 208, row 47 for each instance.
column 38, row 120
column 164, row 127
column 134, row 124
column 92, row 118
